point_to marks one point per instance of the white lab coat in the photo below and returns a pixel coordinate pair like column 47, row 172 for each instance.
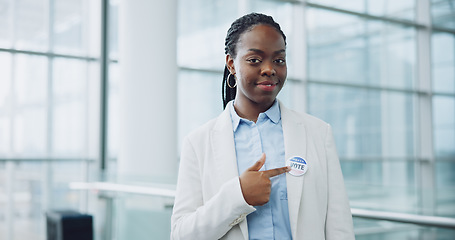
column 209, row 203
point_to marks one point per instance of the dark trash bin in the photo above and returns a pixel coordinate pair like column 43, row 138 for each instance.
column 69, row 225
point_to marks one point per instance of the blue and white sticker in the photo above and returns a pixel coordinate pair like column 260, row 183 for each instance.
column 298, row 166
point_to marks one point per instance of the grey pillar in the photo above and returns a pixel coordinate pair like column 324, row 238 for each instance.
column 147, row 45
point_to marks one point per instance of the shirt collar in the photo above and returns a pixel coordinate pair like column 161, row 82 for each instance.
column 273, row 113
column 234, row 117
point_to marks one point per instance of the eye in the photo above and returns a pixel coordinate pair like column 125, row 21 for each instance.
column 280, row 61
column 253, row 60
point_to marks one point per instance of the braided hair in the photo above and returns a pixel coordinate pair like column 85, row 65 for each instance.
column 238, row 27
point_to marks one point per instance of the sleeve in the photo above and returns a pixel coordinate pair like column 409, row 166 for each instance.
column 339, row 218
column 194, row 218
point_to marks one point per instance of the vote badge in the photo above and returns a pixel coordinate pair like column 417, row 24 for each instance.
column 298, row 166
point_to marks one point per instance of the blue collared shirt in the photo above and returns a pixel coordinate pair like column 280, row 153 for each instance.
column 270, row 221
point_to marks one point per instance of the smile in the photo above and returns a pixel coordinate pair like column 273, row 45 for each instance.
column 267, row 86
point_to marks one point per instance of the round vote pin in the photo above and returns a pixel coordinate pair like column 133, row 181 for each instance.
column 298, row 166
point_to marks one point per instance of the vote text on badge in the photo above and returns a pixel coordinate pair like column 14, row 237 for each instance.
column 298, row 166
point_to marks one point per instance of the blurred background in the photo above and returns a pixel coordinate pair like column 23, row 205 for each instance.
column 97, row 95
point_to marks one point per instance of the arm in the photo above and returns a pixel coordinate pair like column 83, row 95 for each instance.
column 339, row 218
column 194, row 218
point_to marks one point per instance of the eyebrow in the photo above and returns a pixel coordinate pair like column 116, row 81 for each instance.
column 260, row 51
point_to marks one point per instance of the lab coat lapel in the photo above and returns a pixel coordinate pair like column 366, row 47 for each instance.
column 295, row 142
column 224, row 149
column 224, row 152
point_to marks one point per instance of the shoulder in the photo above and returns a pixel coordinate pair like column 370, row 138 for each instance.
column 203, row 131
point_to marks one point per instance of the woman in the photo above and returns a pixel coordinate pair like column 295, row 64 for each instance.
column 259, row 170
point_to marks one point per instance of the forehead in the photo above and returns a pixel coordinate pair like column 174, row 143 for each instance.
column 263, row 37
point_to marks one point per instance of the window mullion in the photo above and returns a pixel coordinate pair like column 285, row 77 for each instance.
column 424, row 142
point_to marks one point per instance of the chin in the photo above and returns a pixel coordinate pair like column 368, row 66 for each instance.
column 266, row 100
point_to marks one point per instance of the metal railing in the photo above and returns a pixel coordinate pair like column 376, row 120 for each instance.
column 123, row 188
column 45, row 159
column 432, row 221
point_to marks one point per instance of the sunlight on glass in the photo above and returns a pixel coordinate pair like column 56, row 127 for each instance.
column 30, row 79
column 31, row 25
column 5, row 80
column 403, row 9
column 348, row 49
column 444, row 124
column 6, row 23
column 70, row 99
column 443, row 62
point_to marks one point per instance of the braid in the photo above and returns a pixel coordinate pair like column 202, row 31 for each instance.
column 238, row 27
column 228, row 92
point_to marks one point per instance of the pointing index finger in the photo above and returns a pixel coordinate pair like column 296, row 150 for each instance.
column 276, row 171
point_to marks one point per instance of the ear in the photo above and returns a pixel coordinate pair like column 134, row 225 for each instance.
column 230, row 64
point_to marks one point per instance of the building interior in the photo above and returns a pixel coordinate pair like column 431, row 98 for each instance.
column 96, row 97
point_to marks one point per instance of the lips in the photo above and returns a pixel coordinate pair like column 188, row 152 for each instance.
column 267, row 85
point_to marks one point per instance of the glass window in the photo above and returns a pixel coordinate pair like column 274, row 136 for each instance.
column 443, row 13
column 444, row 142
column 444, row 126
column 198, row 92
column 366, row 123
column 443, row 62
column 369, row 229
column 445, row 187
column 76, row 27
column 29, row 118
column 113, row 28
column 396, row 9
column 374, row 134
column 92, row 101
column 384, row 185
column 293, row 94
column 69, row 78
column 45, row 114
column 201, row 37
column 31, row 79
column 38, row 187
column 113, row 110
column 348, row 49
column 69, row 129
column 31, row 24
column 6, row 23
column 5, row 137
column 70, row 113
column 6, row 101
column 30, row 132
column 113, row 121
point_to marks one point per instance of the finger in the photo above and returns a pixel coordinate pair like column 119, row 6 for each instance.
column 258, row 165
column 276, row 171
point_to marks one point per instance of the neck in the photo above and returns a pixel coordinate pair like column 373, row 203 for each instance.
column 250, row 110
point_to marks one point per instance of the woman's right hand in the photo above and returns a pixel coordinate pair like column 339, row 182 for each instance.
column 256, row 185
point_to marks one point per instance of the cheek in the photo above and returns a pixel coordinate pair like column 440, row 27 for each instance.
column 243, row 82
column 283, row 73
column 243, row 78
column 238, row 73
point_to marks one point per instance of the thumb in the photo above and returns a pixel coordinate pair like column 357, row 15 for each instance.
column 258, row 165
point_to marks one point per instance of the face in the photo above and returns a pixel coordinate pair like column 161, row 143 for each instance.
column 259, row 66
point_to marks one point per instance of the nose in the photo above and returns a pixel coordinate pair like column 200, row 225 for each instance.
column 267, row 69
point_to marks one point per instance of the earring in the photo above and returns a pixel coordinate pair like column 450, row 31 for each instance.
column 227, row 81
